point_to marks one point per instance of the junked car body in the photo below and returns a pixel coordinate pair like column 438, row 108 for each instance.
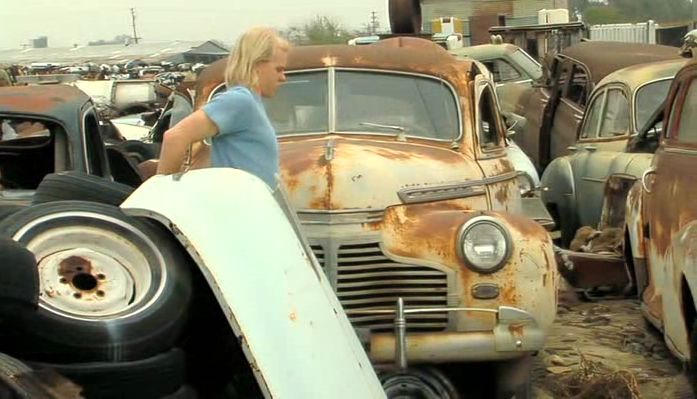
column 393, row 155
column 661, row 222
column 124, row 97
column 620, row 105
column 553, row 112
column 513, row 69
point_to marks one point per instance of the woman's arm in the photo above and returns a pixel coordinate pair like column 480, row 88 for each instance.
column 176, row 140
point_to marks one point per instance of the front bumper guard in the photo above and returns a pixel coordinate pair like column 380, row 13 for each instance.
column 515, row 334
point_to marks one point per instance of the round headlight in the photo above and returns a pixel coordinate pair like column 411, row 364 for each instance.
column 485, row 245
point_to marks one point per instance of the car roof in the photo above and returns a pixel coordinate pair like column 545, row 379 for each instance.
column 403, row 54
column 603, row 58
column 485, row 50
column 55, row 101
column 637, row 75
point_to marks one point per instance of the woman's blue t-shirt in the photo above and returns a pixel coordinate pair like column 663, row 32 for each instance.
column 246, row 139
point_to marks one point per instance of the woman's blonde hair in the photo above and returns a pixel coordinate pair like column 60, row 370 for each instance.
column 253, row 47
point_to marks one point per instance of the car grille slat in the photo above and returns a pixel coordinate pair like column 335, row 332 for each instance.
column 367, row 279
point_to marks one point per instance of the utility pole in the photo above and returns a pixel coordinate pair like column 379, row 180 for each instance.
column 374, row 24
column 133, row 23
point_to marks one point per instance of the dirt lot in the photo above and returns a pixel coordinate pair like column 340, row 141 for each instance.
column 623, row 357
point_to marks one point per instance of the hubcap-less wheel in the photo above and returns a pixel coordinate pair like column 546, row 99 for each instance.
column 110, row 279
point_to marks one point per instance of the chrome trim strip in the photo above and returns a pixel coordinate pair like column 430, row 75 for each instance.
column 92, row 109
column 681, row 151
column 331, row 99
column 440, row 193
column 594, row 180
column 453, row 190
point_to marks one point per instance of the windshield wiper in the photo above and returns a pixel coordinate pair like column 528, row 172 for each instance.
column 391, row 127
column 401, row 136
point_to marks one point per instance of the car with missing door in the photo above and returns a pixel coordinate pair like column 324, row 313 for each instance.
column 574, row 185
column 552, row 112
column 394, row 157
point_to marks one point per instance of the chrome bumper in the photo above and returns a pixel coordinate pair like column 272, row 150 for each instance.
column 516, row 333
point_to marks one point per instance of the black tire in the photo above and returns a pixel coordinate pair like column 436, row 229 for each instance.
column 19, row 381
column 405, row 16
column 185, row 392
column 82, row 187
column 19, row 280
column 113, row 288
column 6, row 210
column 155, row 377
column 514, row 379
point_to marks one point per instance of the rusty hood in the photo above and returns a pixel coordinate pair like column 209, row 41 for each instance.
column 335, row 172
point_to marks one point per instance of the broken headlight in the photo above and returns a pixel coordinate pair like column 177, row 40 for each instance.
column 484, row 244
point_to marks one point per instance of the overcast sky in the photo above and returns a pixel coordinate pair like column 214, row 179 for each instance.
column 80, row 21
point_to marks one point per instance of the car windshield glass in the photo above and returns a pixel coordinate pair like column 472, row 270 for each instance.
column 648, row 99
column 300, row 106
column 369, row 102
column 532, row 67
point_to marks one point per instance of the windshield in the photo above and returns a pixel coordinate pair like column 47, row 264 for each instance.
column 366, row 102
column 531, row 67
column 648, row 99
column 300, row 105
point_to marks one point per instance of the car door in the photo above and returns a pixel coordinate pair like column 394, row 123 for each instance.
column 501, row 178
column 569, row 111
column 602, row 139
column 532, row 107
column 669, row 209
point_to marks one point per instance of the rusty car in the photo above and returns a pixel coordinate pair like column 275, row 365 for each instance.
column 573, row 186
column 661, row 222
column 553, row 111
column 393, row 155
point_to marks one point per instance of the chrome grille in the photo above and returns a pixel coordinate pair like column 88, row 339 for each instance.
column 367, row 279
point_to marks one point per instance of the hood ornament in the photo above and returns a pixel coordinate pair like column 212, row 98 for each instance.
column 329, row 150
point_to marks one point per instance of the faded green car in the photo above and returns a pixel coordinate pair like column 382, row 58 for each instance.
column 513, row 70
column 573, row 186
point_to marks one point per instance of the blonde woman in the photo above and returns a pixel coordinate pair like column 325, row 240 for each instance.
column 235, row 121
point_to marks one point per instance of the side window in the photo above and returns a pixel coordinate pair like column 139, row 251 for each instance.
column 563, row 78
column 488, row 123
column 687, row 125
column 27, row 151
column 502, row 70
column 616, row 116
column 592, row 122
column 577, row 91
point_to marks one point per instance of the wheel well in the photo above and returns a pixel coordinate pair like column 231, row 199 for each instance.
column 688, row 305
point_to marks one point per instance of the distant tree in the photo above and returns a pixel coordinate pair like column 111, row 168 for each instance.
column 663, row 10
column 320, row 30
column 603, row 15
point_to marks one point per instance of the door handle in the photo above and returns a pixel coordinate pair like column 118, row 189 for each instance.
column 578, row 116
column 590, row 148
column 572, row 148
column 647, row 172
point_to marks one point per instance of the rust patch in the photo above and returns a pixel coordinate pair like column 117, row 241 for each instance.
column 509, row 294
column 72, row 266
column 526, row 227
column 502, row 194
column 46, row 99
column 516, row 330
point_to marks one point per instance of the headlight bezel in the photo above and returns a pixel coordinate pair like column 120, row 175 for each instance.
column 467, row 227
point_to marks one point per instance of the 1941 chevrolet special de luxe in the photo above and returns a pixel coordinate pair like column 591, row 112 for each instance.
column 394, row 157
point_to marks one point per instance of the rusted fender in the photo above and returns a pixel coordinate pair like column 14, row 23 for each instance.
column 429, row 233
